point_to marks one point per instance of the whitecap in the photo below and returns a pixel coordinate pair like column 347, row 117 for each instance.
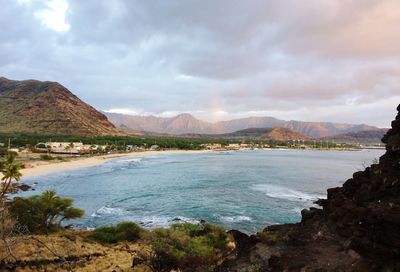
column 276, row 191
column 238, row 218
column 107, row 211
column 163, row 221
column 132, row 160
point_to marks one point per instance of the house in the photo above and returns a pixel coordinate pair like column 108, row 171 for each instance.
column 76, row 148
column 212, row 146
column 64, row 147
column 233, row 146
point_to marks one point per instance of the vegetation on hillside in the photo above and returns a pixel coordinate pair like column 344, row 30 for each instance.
column 124, row 231
column 188, row 247
column 182, row 247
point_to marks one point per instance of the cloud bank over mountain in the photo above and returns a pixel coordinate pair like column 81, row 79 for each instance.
column 218, row 60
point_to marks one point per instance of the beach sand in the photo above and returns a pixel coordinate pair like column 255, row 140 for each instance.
column 48, row 167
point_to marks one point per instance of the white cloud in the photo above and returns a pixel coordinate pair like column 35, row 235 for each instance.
column 123, row 111
column 170, row 57
column 24, row 2
column 53, row 16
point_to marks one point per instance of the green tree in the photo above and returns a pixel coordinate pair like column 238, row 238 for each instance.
column 45, row 212
column 10, row 171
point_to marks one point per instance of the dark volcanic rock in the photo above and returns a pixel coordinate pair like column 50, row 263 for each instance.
column 366, row 209
column 24, row 187
column 243, row 241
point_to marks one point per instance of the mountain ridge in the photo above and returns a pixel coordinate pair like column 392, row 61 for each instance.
column 186, row 123
column 363, row 137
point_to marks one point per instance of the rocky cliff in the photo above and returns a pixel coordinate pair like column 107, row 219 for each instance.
column 357, row 229
column 32, row 106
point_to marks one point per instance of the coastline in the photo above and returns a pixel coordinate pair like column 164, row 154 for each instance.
column 48, row 167
column 45, row 167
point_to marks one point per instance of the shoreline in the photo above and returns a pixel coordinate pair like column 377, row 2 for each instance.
column 49, row 167
column 44, row 167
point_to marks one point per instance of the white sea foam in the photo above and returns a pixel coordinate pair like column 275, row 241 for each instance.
column 162, row 221
column 132, row 160
column 281, row 192
column 238, row 218
column 107, row 211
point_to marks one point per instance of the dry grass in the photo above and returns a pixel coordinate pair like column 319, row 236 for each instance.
column 81, row 254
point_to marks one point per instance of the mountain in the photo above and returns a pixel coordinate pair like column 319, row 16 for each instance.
column 283, row 134
column 32, row 106
column 267, row 134
column 186, row 123
column 363, row 137
column 180, row 124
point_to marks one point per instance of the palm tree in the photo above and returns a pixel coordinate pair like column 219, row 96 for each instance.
column 11, row 171
column 71, row 146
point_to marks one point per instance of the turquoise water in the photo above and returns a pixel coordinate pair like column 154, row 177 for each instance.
column 245, row 190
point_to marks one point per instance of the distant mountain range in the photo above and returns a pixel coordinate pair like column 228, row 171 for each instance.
column 363, row 137
column 186, row 123
column 32, row 106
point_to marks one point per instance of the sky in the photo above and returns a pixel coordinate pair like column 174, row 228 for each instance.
column 313, row 60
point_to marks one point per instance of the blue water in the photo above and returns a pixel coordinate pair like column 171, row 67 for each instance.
column 245, row 190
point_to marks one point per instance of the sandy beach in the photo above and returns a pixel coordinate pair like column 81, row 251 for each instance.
column 48, row 167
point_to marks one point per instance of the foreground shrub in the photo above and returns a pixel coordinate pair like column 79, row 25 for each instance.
column 43, row 213
column 125, row 231
column 188, row 247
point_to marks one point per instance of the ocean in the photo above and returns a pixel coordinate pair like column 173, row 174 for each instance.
column 244, row 190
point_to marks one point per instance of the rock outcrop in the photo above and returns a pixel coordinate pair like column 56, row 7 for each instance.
column 357, row 229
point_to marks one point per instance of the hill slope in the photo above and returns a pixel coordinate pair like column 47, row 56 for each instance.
column 267, row 134
column 186, row 123
column 32, row 106
column 283, row 134
column 363, row 137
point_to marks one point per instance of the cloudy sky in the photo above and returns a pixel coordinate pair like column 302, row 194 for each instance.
column 311, row 60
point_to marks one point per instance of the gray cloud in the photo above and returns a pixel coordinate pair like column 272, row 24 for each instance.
column 287, row 58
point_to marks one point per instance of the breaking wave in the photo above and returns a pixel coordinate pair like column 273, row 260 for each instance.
column 238, row 218
column 108, row 211
column 276, row 191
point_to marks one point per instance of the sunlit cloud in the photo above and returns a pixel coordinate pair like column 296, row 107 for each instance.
column 217, row 60
column 123, row 111
column 53, row 16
